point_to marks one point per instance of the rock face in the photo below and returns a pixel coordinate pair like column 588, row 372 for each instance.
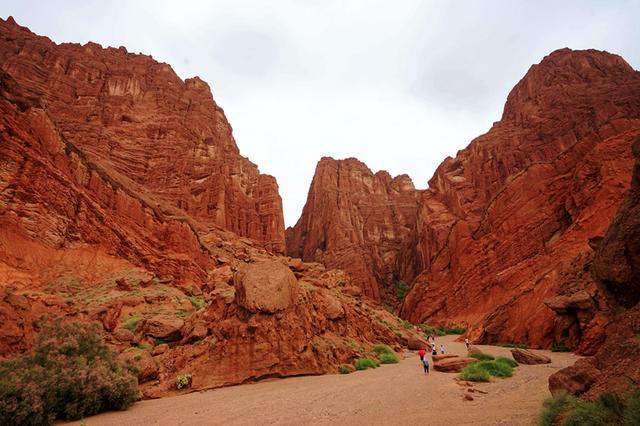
column 361, row 222
column 266, row 287
column 616, row 365
column 122, row 134
column 124, row 201
column 504, row 227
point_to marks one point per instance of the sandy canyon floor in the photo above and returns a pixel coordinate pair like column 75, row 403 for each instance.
column 397, row 394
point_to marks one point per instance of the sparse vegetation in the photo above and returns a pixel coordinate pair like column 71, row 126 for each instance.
column 474, row 373
column 197, row 302
column 345, row 369
column 514, row 345
column 440, row 331
column 364, row 363
column 402, row 288
column 510, row 361
column 482, row 356
column 389, row 359
column 560, row 347
column 131, row 323
column 608, row 409
column 407, row 324
column 496, row 368
column 69, row 374
column 183, row 380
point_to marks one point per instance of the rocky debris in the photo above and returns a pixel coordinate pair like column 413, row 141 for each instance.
column 160, row 349
column 163, row 327
column 194, row 331
column 361, row 222
column 123, row 285
column 576, row 379
column 123, row 335
column 453, row 364
column 331, row 307
column 525, row 356
column 267, row 286
column 144, row 363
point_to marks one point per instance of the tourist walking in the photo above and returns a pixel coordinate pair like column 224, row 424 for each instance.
column 442, row 349
column 422, row 352
column 466, row 342
column 425, row 365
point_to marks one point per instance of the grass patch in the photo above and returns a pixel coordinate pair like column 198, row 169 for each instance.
column 364, row 363
column 406, row 324
column 474, row 373
column 482, row 356
column 131, row 323
column 440, row 331
column 553, row 407
column 514, row 345
column 345, row 369
column 496, row 369
column 509, row 361
column 381, row 349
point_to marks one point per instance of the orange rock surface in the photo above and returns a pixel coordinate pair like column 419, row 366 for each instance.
column 361, row 222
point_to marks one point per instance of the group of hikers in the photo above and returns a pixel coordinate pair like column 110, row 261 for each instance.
column 432, row 342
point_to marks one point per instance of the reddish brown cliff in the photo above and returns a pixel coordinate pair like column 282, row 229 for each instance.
column 616, row 268
column 361, row 222
column 504, row 227
column 159, row 137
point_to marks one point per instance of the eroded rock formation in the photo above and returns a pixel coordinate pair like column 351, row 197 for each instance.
column 504, row 227
column 361, row 222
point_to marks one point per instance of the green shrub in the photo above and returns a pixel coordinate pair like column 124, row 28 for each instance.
column 345, row 369
column 514, row 345
column 632, row 409
column 482, row 356
column 382, row 349
column 389, row 359
column 474, row 373
column 560, row 347
column 131, row 323
column 183, row 380
column 510, row 361
column 69, row 374
column 586, row 413
column 454, row 330
column 402, row 288
column 497, row 369
column 553, row 407
column 441, row 331
column 364, row 363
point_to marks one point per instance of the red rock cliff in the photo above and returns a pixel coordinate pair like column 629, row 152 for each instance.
column 361, row 222
column 504, row 227
column 160, row 138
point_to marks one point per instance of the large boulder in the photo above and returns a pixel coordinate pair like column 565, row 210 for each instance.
column 524, row 356
column 266, row 286
column 453, row 365
column 164, row 327
column 576, row 379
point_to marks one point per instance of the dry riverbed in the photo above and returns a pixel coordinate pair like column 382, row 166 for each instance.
column 397, row 394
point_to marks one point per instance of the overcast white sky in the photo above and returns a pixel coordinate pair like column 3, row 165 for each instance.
column 399, row 85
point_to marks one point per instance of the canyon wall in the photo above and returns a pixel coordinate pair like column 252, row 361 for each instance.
column 361, row 222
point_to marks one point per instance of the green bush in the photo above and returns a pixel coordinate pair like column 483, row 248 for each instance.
column 441, row 331
column 402, row 288
column 514, row 345
column 497, row 369
column 474, row 373
column 364, row 363
column 69, row 374
column 560, row 347
column 454, row 330
column 608, row 409
column 482, row 356
column 382, row 349
column 407, row 324
column 183, row 380
column 553, row 407
column 510, row 361
column 345, row 369
column 389, row 359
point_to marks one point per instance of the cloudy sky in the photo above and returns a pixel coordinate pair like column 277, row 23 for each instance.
column 399, row 85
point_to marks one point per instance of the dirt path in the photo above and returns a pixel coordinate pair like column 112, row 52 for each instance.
column 391, row 395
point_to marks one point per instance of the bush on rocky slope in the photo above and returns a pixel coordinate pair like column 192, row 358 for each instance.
column 69, row 374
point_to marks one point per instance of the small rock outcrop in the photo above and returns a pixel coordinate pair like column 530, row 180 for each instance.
column 525, row 356
column 452, row 364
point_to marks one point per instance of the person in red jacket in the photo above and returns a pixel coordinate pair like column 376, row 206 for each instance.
column 422, row 352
